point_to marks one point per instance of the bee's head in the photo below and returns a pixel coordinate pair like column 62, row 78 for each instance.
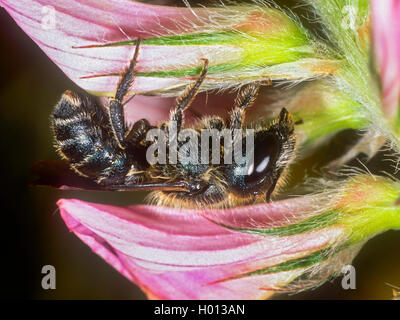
column 227, row 185
column 273, row 148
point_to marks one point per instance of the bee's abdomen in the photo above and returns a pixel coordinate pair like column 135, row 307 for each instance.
column 80, row 129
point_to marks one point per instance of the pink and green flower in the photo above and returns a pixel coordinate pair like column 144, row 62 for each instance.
column 246, row 252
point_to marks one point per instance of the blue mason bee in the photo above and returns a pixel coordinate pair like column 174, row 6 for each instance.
column 104, row 153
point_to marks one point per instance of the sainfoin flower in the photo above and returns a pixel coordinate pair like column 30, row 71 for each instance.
column 386, row 34
column 246, row 252
column 241, row 253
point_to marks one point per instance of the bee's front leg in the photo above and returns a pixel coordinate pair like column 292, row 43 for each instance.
column 244, row 99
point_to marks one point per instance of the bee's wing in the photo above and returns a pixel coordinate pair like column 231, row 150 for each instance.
column 57, row 174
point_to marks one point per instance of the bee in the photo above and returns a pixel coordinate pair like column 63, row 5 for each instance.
column 108, row 154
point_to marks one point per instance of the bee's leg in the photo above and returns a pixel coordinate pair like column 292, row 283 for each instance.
column 184, row 101
column 244, row 99
column 116, row 105
column 137, row 132
column 272, row 187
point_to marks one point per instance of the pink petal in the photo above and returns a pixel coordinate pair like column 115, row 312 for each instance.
column 386, row 32
column 81, row 23
column 183, row 254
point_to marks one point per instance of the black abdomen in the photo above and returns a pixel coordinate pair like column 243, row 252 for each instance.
column 80, row 128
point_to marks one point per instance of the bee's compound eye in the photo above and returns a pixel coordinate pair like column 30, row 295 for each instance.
column 266, row 151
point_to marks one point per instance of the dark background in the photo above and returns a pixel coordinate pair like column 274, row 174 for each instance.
column 33, row 234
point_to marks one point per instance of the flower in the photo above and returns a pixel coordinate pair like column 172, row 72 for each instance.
column 181, row 254
column 87, row 40
column 247, row 252
column 240, row 253
column 93, row 41
column 386, row 33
